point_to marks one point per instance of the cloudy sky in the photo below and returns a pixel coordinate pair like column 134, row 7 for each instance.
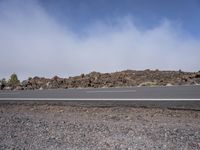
column 69, row 37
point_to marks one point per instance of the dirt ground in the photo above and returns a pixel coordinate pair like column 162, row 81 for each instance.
column 56, row 127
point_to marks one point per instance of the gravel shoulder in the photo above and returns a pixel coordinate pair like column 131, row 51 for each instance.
column 57, row 127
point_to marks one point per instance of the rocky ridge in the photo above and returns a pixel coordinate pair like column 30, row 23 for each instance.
column 125, row 78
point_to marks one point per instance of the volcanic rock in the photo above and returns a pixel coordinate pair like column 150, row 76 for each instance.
column 126, row 78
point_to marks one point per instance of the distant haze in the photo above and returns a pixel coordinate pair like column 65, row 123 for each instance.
column 33, row 42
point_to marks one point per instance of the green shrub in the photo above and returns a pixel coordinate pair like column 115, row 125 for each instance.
column 13, row 81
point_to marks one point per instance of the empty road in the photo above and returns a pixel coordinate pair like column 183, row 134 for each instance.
column 187, row 97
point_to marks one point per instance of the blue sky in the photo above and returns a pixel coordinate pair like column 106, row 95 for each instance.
column 70, row 37
column 145, row 14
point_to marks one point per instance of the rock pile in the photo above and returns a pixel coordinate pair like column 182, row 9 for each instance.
column 125, row 78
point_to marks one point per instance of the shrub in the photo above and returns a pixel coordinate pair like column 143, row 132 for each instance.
column 3, row 83
column 13, row 81
column 29, row 78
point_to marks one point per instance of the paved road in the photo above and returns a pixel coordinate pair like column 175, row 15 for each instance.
column 187, row 97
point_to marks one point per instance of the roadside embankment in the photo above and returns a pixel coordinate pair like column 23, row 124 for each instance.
column 126, row 78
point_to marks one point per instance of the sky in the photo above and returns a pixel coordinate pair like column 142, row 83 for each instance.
column 69, row 37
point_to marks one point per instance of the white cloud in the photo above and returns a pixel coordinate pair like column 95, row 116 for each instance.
column 33, row 43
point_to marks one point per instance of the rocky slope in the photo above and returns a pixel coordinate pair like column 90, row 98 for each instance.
column 117, row 79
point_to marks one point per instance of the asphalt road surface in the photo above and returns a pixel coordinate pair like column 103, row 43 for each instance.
column 184, row 97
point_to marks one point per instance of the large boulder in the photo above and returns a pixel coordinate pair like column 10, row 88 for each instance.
column 7, row 88
column 19, row 87
column 55, row 82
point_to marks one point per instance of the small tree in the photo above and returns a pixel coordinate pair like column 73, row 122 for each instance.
column 13, row 81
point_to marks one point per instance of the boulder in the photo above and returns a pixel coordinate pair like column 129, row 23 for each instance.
column 2, row 86
column 25, row 83
column 197, row 75
column 169, row 84
column 19, row 88
column 148, row 83
column 7, row 88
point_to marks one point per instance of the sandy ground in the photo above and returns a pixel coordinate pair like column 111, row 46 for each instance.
column 55, row 127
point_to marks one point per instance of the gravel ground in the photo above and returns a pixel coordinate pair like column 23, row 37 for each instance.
column 55, row 127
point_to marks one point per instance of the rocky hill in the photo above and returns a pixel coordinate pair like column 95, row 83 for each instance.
column 125, row 78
